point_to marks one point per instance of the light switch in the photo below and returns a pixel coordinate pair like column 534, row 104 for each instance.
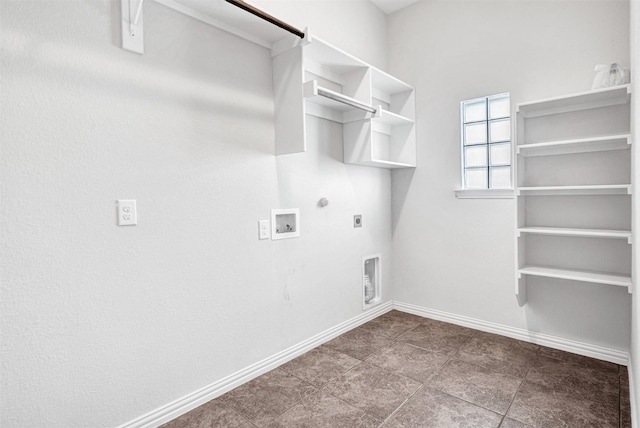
column 127, row 215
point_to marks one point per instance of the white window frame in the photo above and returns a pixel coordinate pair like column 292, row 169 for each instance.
column 489, row 192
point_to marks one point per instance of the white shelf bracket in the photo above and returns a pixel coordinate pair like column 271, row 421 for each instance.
column 132, row 25
column 521, row 289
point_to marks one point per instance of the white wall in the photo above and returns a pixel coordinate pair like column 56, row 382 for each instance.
column 457, row 255
column 100, row 323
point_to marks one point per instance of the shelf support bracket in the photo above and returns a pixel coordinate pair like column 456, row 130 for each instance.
column 132, row 25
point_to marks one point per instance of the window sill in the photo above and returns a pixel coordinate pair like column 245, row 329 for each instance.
column 484, row 193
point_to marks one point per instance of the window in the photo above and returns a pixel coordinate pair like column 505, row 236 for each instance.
column 486, row 142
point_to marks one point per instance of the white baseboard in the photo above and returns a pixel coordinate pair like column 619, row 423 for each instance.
column 581, row 348
column 190, row 401
column 633, row 396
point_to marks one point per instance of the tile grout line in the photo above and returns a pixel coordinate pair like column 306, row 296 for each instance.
column 450, row 357
column 243, row 416
column 396, row 340
column 512, row 400
column 453, row 357
column 393, row 341
column 423, row 385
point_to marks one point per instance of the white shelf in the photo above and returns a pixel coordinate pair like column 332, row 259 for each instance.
column 376, row 110
column 581, row 145
column 387, row 83
column 379, row 163
column 581, row 101
column 576, row 275
column 587, row 233
column 329, row 57
column 392, row 119
column 595, row 122
column 604, row 189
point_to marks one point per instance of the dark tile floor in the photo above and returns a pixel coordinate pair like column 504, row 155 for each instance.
column 400, row 371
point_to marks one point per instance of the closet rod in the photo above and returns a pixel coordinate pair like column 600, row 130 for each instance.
column 338, row 97
column 260, row 14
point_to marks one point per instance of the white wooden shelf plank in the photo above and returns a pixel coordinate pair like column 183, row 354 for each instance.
column 581, row 145
column 388, row 83
column 380, row 163
column 563, row 231
column 389, row 118
column 604, row 189
column 577, row 275
column 576, row 102
column 332, row 57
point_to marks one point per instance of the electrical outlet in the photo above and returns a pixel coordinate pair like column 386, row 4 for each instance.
column 263, row 229
column 357, row 220
column 127, row 215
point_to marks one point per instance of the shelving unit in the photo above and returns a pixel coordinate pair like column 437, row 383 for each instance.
column 574, row 148
column 377, row 110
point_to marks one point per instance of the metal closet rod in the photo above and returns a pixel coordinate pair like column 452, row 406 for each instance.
column 353, row 103
column 260, row 14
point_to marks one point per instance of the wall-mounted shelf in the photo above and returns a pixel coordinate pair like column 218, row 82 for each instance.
column 587, row 233
column 582, row 101
column 562, row 142
column 602, row 189
column 576, row 275
column 388, row 118
column 377, row 110
column 580, row 145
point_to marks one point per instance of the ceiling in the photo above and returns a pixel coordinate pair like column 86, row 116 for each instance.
column 390, row 6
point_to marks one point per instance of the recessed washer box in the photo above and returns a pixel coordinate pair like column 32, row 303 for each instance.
column 285, row 223
column 371, row 281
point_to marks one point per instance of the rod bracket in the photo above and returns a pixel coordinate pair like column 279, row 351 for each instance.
column 132, row 25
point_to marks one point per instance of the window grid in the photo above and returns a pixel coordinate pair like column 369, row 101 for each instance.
column 491, row 141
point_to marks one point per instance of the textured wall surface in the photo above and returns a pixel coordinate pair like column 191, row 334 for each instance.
column 101, row 324
column 456, row 255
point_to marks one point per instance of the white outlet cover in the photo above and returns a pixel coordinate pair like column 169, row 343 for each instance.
column 264, row 229
column 127, row 213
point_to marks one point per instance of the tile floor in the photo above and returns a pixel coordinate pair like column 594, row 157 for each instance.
column 400, row 371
